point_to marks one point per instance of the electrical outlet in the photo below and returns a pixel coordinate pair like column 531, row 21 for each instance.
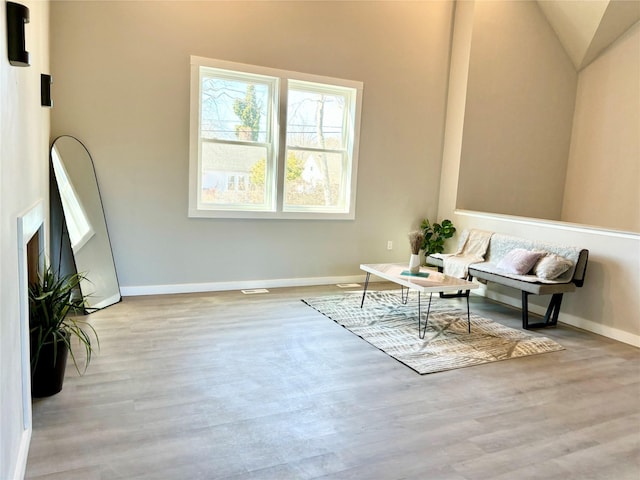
column 389, row 245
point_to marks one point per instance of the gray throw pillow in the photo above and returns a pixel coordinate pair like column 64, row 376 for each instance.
column 551, row 266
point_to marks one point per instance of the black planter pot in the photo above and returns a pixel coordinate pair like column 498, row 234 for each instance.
column 48, row 374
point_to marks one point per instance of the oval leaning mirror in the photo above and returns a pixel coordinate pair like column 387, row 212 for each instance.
column 79, row 237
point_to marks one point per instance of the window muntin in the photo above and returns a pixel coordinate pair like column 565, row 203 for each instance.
column 237, row 167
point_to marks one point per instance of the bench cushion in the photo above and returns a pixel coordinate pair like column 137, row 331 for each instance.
column 501, row 245
column 528, row 283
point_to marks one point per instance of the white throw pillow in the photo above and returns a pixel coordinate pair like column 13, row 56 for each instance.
column 551, row 266
column 519, row 261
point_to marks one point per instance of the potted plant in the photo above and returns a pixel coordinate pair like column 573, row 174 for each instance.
column 435, row 234
column 55, row 303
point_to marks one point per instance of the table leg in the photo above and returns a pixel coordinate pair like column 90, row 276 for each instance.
column 366, row 285
column 468, row 316
column 423, row 332
column 405, row 298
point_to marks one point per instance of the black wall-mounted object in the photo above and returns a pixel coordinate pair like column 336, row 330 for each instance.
column 45, row 90
column 17, row 16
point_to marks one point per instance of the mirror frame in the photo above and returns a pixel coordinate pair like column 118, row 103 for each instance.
column 67, row 258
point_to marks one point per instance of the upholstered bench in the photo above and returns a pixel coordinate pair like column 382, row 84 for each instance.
column 534, row 268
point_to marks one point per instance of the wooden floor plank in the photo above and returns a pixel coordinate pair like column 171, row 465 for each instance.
column 230, row 386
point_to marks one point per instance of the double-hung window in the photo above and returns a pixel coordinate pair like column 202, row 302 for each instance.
column 269, row 143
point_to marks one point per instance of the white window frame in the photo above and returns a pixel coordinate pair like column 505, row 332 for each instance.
column 347, row 212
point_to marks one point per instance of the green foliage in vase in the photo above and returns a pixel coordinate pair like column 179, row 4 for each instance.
column 53, row 311
column 435, row 234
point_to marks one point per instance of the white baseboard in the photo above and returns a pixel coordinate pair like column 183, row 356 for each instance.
column 23, row 452
column 609, row 332
column 567, row 318
column 239, row 285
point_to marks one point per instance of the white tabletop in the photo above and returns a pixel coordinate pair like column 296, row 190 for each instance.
column 433, row 282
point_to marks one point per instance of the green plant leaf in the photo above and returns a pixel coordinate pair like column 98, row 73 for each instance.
column 435, row 235
column 52, row 315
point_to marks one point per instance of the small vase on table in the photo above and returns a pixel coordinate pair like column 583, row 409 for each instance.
column 415, row 241
column 414, row 263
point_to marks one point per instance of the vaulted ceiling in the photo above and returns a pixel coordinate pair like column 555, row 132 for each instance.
column 587, row 27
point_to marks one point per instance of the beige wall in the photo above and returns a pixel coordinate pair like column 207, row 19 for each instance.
column 24, row 137
column 603, row 176
column 519, row 109
column 541, row 140
column 126, row 97
column 609, row 303
column 122, row 87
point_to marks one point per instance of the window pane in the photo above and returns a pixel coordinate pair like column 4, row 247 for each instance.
column 314, row 180
column 315, row 119
column 234, row 109
column 234, row 176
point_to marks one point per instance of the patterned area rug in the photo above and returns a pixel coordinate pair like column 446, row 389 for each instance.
column 392, row 327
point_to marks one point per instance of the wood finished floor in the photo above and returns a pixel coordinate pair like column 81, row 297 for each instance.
column 231, row 386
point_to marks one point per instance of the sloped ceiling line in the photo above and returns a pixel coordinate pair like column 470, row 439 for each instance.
column 587, row 28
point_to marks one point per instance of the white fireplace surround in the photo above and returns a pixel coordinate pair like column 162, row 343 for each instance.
column 30, row 223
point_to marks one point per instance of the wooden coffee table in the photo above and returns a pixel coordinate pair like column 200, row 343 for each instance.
column 426, row 281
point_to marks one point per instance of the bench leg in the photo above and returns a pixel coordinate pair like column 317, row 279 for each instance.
column 525, row 310
column 553, row 310
column 550, row 317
